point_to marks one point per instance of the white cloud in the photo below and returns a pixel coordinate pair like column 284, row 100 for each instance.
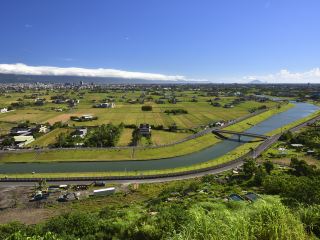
column 23, row 69
column 285, row 76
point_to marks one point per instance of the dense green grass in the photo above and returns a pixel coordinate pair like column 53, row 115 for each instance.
column 265, row 219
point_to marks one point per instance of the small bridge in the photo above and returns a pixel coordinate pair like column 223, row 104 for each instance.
column 239, row 134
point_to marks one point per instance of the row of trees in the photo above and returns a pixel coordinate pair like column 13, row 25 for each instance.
column 176, row 111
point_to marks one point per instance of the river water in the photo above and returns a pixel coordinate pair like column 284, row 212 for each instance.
column 300, row 110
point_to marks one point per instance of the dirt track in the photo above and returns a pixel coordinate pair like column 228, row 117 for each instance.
column 15, row 206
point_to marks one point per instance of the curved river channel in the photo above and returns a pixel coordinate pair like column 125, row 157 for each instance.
column 300, row 110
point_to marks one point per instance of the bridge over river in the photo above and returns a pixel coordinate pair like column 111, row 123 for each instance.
column 239, row 134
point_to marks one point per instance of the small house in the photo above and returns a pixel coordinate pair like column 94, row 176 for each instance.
column 82, row 132
column 145, row 130
column 20, row 131
column 216, row 104
column 105, row 105
column 219, row 124
column 58, row 101
column 228, row 106
column 73, row 102
column 40, row 101
column 160, row 101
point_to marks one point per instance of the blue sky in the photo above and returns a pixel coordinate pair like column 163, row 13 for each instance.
column 226, row 40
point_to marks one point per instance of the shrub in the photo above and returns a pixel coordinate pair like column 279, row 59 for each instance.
column 146, row 108
column 310, row 217
column 75, row 224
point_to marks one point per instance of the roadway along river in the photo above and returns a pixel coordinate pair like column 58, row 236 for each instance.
column 300, row 110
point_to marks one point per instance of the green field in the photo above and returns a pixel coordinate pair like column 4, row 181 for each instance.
column 5, row 127
column 49, row 138
column 199, row 113
column 187, row 147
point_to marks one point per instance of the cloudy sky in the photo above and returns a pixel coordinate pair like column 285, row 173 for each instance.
column 220, row 41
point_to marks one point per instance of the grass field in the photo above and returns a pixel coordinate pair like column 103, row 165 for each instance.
column 164, row 137
column 199, row 113
column 125, row 138
column 5, row 127
column 49, row 138
column 139, row 154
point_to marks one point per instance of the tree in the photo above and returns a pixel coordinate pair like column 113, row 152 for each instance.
column 106, row 135
column 269, row 166
column 249, row 167
column 24, row 124
column 8, row 141
column 136, row 137
column 260, row 174
column 301, row 168
column 173, row 127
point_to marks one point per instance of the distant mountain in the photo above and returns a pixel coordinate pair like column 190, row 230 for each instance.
column 13, row 78
column 256, row 81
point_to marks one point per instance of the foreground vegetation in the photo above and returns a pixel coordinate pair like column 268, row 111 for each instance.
column 288, row 208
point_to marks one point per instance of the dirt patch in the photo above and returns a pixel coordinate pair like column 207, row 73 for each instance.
column 12, row 197
column 286, row 160
column 15, row 206
column 62, row 118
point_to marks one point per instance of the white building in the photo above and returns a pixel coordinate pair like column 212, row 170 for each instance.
column 4, row 110
column 87, row 117
column 43, row 129
column 104, row 191
column 22, row 141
